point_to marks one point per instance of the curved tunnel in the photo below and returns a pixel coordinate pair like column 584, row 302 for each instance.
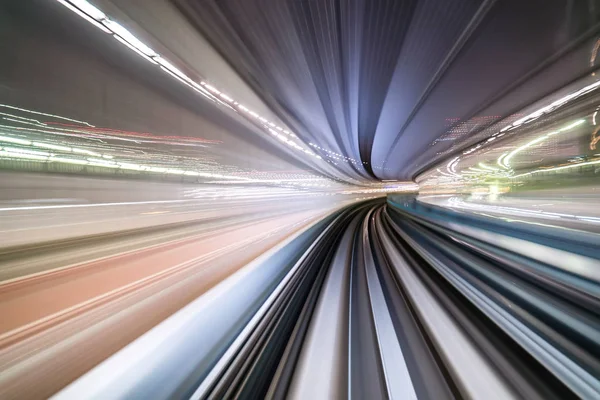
column 299, row 199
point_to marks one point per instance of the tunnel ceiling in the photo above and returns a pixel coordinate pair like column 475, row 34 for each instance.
column 396, row 84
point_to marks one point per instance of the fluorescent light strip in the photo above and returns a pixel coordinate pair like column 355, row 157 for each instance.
column 129, row 37
column 171, row 68
column 229, row 99
column 93, row 15
column 203, row 91
column 89, row 9
column 175, row 76
column 120, row 39
column 83, row 15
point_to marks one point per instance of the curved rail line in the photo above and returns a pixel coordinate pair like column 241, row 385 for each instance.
column 382, row 300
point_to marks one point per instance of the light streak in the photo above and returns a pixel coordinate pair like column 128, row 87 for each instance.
column 89, row 9
column 51, row 146
column 127, row 36
column 46, row 115
column 95, row 16
column 15, row 140
column 138, row 51
column 482, row 165
column 84, row 15
column 23, row 118
column 557, row 168
column 7, row 154
column 68, row 160
column 501, row 159
column 540, row 139
column 27, row 151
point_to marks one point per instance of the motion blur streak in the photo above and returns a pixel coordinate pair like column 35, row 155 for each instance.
column 272, row 199
column 383, row 295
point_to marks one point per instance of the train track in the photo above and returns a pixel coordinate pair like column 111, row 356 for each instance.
column 382, row 302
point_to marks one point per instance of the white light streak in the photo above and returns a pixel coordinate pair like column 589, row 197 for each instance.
column 557, row 168
column 482, row 165
column 84, row 151
column 27, row 151
column 68, row 160
column 171, row 68
column 51, row 146
column 120, row 33
column 129, row 37
column 140, row 53
column 47, row 115
column 89, row 9
column 22, row 155
column 540, row 139
column 501, row 159
column 35, row 121
column 573, row 125
column 84, row 16
column 15, row 140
